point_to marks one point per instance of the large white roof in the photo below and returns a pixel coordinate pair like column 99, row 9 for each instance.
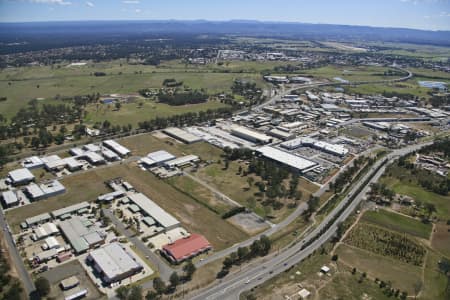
column 160, row 156
column 153, row 209
column 113, row 260
column 9, row 197
column 20, row 175
column 286, row 158
column 118, row 148
column 307, row 141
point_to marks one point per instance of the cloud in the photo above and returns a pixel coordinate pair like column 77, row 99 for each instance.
column 138, row 11
column 90, row 4
column 131, row 2
column 58, row 2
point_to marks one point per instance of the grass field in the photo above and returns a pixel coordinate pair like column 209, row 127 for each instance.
column 435, row 282
column 25, row 83
column 200, row 193
column 350, row 73
column 407, row 87
column 381, row 267
column 397, row 222
column 132, row 113
column 440, row 240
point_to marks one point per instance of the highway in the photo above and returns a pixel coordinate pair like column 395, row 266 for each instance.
column 232, row 286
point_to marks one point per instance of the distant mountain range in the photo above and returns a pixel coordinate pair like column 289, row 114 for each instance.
column 89, row 30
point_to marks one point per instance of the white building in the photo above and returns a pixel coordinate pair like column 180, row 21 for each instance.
column 293, row 161
column 116, row 147
column 250, row 135
column 334, row 149
column 9, row 199
column 114, row 263
column 20, row 176
column 153, row 210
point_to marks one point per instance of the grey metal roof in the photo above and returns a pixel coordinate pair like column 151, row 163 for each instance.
column 69, row 209
column 153, row 209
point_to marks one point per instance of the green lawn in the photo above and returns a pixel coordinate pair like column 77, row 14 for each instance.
column 435, row 285
column 397, row 222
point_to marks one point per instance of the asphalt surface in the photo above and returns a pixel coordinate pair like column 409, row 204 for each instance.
column 233, row 285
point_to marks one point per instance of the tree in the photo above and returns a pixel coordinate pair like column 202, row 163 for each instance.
column 159, row 286
column 227, row 262
column 174, row 279
column 122, row 292
column 42, row 286
column 189, row 269
column 118, row 105
column 135, row 293
column 151, row 295
column 242, row 252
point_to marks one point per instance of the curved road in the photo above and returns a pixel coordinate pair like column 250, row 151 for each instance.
column 231, row 287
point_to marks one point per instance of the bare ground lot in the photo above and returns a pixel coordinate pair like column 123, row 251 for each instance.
column 64, row 271
column 248, row 222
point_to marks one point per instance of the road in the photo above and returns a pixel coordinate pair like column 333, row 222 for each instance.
column 25, row 278
column 232, row 286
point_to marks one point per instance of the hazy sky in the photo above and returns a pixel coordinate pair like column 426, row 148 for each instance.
column 421, row 14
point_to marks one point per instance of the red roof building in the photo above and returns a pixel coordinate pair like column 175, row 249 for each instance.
column 186, row 248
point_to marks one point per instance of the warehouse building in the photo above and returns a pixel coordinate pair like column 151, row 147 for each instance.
column 45, row 230
column 186, row 248
column 39, row 219
column 91, row 148
column 153, row 210
column 32, row 162
column 116, row 147
column 111, row 196
column 157, row 158
column 81, row 234
column 110, row 155
column 250, row 135
column 65, row 212
column 9, row 199
column 181, row 161
column 55, row 163
column 45, row 190
column 334, row 149
column 295, row 162
column 182, row 135
column 113, row 263
column 281, row 134
column 20, row 177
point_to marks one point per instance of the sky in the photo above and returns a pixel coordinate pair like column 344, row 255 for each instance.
column 418, row 14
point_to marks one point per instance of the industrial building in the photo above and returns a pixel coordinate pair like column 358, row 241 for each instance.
column 55, row 163
column 39, row 219
column 153, row 210
column 182, row 135
column 117, row 148
column 334, row 149
column 295, row 162
column 65, row 212
column 45, row 190
column 20, row 177
column 111, row 196
column 45, row 230
column 181, row 161
column 250, row 135
column 186, row 248
column 110, row 155
column 113, row 263
column 9, row 199
column 32, row 162
column 81, row 234
column 157, row 158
